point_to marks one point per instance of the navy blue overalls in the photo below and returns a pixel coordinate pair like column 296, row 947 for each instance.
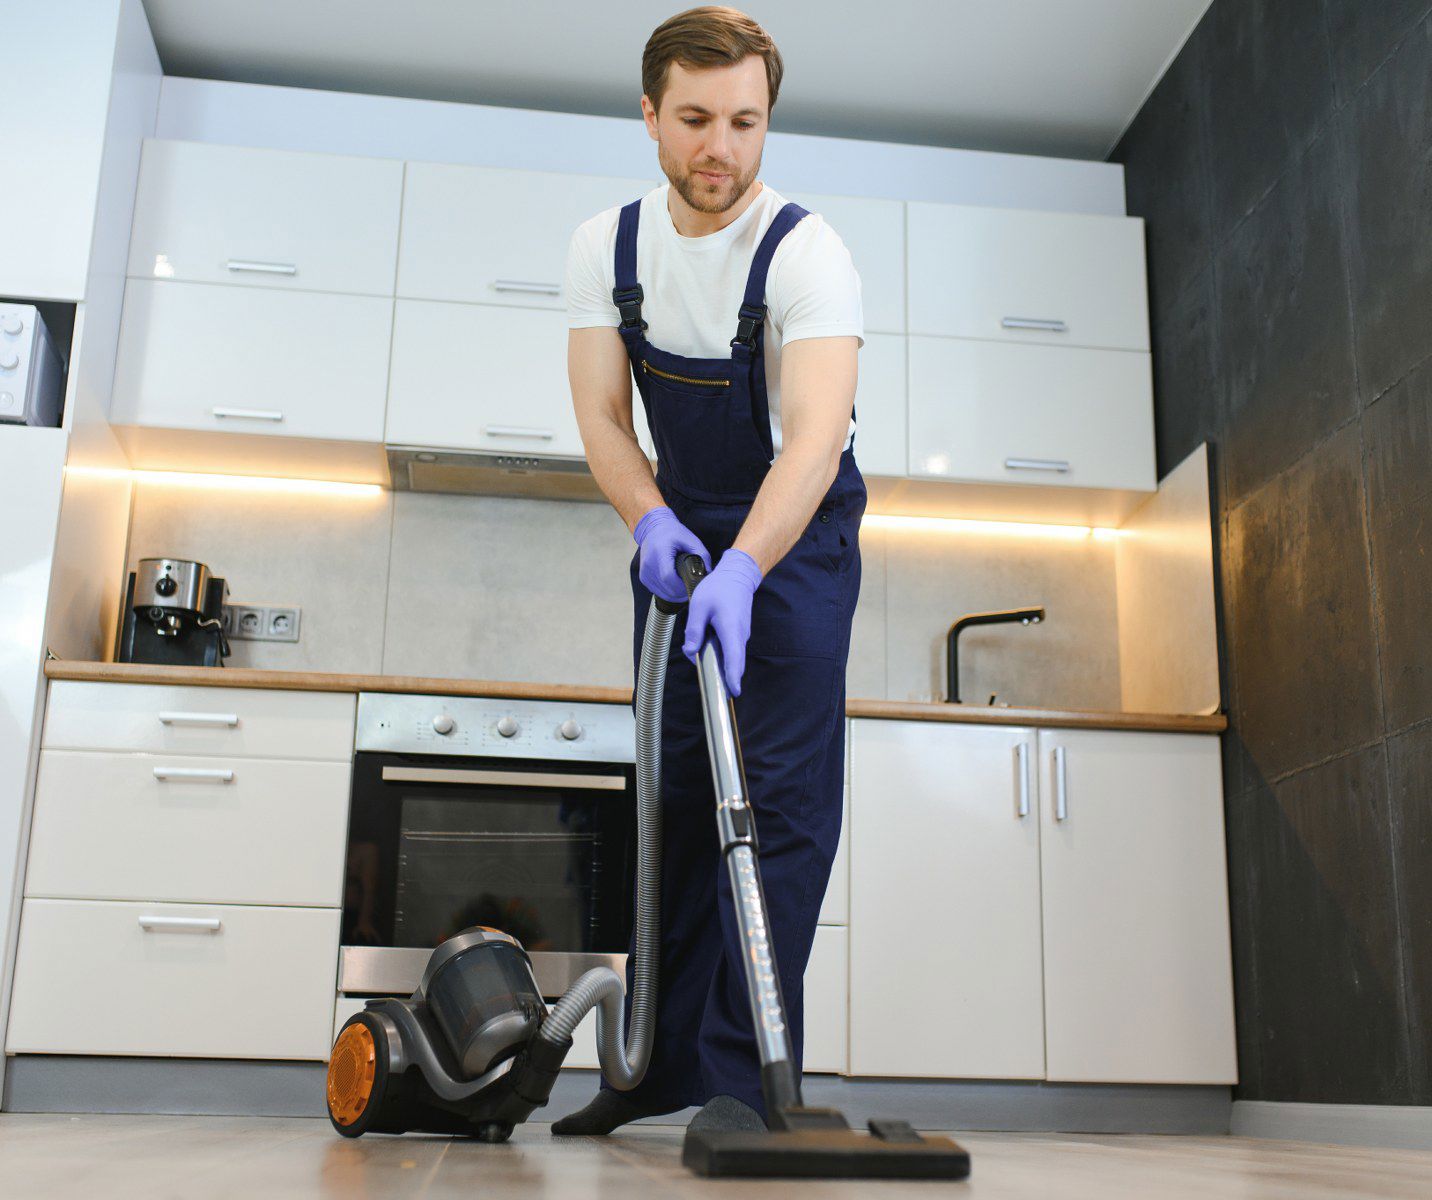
column 711, row 427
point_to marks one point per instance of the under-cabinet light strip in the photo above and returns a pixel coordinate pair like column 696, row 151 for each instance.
column 999, row 528
column 245, row 483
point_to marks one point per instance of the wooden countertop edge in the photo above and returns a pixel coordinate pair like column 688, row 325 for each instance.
column 327, row 681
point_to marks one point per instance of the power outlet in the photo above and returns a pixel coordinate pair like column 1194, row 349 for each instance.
column 253, row 623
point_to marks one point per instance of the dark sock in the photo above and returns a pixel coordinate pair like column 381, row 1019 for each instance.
column 727, row 1113
column 606, row 1111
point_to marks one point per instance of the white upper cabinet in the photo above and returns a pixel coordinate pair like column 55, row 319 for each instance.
column 874, row 233
column 1065, row 279
column 494, row 236
column 266, row 218
column 880, row 406
column 1051, row 415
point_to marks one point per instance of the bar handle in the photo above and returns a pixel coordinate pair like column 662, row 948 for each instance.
column 1021, row 758
column 1061, row 786
column 219, row 774
column 263, row 268
column 152, row 924
column 518, row 431
column 532, row 289
column 1037, row 464
column 196, row 718
column 252, row 414
column 1034, row 323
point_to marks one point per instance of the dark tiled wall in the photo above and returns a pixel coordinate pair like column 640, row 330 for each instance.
column 1284, row 168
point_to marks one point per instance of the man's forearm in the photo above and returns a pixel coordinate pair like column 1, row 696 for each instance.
column 793, row 487
column 621, row 469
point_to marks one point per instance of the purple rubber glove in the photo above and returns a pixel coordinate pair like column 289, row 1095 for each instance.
column 662, row 536
column 722, row 603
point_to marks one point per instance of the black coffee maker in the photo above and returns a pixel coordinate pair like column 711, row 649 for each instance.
column 173, row 614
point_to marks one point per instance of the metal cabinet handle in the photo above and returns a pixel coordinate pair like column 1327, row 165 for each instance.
column 266, row 268
column 1037, row 464
column 518, row 431
column 1021, row 758
column 1034, row 323
column 222, row 774
column 193, row 718
column 1061, row 786
column 536, row 779
column 535, row 289
column 253, row 414
column 160, row 924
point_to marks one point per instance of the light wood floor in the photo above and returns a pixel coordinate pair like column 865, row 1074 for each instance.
column 62, row 1157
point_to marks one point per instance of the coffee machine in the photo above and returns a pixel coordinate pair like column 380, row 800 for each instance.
column 173, row 614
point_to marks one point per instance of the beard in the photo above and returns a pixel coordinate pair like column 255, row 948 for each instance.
column 700, row 193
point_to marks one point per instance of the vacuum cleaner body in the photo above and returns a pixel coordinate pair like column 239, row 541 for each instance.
column 460, row 1055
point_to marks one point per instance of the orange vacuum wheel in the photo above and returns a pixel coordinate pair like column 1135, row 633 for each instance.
column 350, row 1073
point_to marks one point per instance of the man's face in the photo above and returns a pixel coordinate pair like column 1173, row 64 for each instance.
column 711, row 131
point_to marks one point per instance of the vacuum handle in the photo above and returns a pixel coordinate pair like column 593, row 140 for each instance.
column 691, row 569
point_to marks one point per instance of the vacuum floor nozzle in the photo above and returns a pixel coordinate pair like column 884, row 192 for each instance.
column 891, row 1150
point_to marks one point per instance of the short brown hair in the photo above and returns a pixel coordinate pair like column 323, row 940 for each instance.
column 713, row 35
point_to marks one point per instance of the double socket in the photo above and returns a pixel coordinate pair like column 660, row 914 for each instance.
column 255, row 623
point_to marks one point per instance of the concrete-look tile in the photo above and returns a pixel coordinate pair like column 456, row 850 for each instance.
column 1284, row 330
column 495, row 587
column 1070, row 659
column 1387, row 131
column 1363, row 35
column 1410, row 772
column 1241, row 880
column 865, row 672
column 1301, row 623
column 1325, row 936
column 1188, row 391
column 326, row 555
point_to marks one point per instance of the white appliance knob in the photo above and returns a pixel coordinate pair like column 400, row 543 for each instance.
column 444, row 724
column 507, row 726
column 9, row 360
column 570, row 730
column 13, row 325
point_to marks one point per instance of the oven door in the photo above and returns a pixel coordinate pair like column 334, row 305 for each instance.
column 541, row 850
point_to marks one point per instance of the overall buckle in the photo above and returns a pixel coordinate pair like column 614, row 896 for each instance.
column 628, row 302
column 749, row 327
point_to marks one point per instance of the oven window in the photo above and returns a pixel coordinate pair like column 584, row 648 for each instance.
column 550, row 864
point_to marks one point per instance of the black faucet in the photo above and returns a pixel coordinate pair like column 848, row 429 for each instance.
column 1024, row 616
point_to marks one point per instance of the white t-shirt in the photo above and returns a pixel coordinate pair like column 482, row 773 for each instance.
column 693, row 286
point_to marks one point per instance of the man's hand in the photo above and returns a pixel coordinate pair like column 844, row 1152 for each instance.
column 722, row 602
column 662, row 536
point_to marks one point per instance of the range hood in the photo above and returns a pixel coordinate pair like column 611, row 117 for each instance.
column 483, row 473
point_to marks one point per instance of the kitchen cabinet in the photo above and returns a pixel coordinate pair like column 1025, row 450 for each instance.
column 874, row 233
column 944, row 902
column 881, row 435
column 1045, row 415
column 275, row 219
column 489, row 235
column 1138, row 982
column 255, row 361
column 1018, row 276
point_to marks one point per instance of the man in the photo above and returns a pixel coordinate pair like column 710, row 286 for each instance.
column 755, row 473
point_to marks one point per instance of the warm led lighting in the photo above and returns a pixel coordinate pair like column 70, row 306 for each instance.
column 234, row 483
column 1006, row 528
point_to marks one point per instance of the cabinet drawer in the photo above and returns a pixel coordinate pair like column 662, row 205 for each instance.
column 266, row 218
column 1030, row 414
column 245, row 360
column 96, row 977
column 1018, row 276
column 164, row 719
column 494, row 236
column 478, row 377
column 172, row 827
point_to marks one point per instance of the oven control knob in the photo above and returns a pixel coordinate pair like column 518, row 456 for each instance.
column 444, row 724
column 570, row 730
column 507, row 726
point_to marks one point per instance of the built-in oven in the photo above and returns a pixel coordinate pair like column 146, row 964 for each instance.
column 516, row 814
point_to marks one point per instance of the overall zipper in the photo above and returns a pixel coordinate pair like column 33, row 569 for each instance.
column 646, row 366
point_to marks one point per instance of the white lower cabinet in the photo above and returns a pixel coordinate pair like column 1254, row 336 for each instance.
column 1138, row 983
column 944, row 903
column 211, row 980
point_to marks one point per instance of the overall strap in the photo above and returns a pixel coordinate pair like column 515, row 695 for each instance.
column 627, row 295
column 753, row 307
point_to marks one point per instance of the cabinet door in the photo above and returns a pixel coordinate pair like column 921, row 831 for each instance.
column 944, row 902
column 245, row 360
column 479, row 377
column 266, row 218
column 1138, row 983
column 881, row 436
column 1043, row 415
column 1070, row 279
column 495, row 236
column 874, row 233
column 826, row 1002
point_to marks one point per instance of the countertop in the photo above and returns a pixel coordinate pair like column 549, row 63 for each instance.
column 325, row 681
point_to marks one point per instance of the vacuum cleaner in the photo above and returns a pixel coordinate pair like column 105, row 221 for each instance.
column 475, row 1050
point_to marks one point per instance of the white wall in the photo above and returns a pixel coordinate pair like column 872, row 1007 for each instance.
column 248, row 114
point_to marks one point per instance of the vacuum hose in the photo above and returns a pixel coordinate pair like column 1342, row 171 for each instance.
column 624, row 1061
